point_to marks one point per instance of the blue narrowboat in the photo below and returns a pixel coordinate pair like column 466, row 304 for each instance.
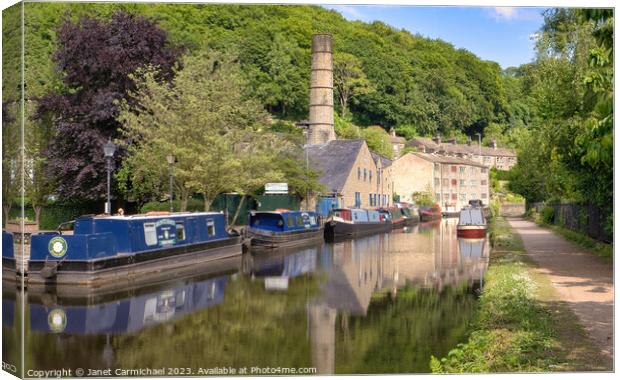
column 8, row 255
column 273, row 229
column 115, row 248
column 356, row 222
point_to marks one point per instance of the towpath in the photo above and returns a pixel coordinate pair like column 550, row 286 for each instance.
column 583, row 280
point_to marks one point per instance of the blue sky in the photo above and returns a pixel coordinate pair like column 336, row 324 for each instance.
column 502, row 34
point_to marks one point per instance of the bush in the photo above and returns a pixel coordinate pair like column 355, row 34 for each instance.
column 546, row 214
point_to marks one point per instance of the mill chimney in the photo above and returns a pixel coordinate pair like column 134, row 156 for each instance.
column 437, row 139
column 392, row 132
column 494, row 144
column 469, row 141
column 321, row 123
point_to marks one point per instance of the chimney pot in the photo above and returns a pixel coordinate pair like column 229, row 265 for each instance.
column 392, row 132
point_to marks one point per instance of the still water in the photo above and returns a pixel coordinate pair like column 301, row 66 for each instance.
column 379, row 304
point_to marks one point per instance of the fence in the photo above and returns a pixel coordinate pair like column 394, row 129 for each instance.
column 587, row 219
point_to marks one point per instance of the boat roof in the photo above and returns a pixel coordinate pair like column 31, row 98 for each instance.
column 157, row 216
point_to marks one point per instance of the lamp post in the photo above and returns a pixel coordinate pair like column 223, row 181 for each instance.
column 305, row 147
column 170, row 158
column 108, row 150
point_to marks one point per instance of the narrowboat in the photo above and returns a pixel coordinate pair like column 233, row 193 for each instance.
column 397, row 217
column 274, row 229
column 8, row 255
column 472, row 223
column 109, row 249
column 353, row 222
column 410, row 212
column 430, row 212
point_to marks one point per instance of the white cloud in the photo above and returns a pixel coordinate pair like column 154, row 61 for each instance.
column 513, row 13
column 347, row 11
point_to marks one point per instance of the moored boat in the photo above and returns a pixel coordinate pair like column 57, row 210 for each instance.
column 397, row 217
column 430, row 212
column 410, row 212
column 104, row 249
column 353, row 222
column 273, row 229
column 8, row 255
column 472, row 223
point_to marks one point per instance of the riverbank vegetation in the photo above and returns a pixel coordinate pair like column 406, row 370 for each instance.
column 519, row 325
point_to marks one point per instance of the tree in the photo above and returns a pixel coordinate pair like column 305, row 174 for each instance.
column 349, row 79
column 96, row 59
column 204, row 119
column 378, row 140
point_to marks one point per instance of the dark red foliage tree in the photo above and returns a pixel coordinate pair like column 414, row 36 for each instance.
column 95, row 58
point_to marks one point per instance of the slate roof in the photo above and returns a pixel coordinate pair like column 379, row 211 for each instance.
column 447, row 159
column 459, row 148
column 334, row 161
column 385, row 162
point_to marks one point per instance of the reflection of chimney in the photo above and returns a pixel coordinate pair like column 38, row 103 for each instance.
column 392, row 132
column 437, row 139
column 321, row 91
column 494, row 144
column 322, row 320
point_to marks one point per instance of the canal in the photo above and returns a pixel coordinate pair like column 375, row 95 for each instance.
column 378, row 304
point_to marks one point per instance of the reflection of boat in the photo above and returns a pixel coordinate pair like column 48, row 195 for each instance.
column 471, row 248
column 355, row 222
column 472, row 223
column 123, row 314
column 271, row 229
column 430, row 212
column 111, row 249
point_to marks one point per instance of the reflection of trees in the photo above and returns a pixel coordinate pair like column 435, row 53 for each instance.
column 251, row 327
column 399, row 335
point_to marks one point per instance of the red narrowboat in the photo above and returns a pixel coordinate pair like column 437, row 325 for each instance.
column 472, row 223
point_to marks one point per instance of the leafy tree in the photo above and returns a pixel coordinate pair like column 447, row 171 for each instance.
column 424, row 198
column 378, row 140
column 95, row 59
column 204, row 119
column 349, row 79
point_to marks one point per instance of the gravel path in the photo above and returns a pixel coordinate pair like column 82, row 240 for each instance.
column 584, row 281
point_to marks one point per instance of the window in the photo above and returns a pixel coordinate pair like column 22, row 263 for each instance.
column 437, row 166
column 378, row 176
column 290, row 222
column 473, row 196
column 483, row 170
column 472, row 182
column 300, row 221
column 210, row 227
column 358, row 199
column 370, row 176
column 453, row 196
column 437, row 197
column 359, row 173
column 453, row 169
column 370, row 199
column 483, row 195
column 483, row 182
column 453, row 182
column 436, row 181
column 446, row 196
column 180, row 231
column 365, row 174
column 463, row 196
column 462, row 182
column 150, row 234
column 462, row 169
column 445, row 182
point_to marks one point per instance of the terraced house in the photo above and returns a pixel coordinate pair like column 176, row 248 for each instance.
column 453, row 181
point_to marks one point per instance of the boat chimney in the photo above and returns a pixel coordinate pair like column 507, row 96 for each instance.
column 321, row 123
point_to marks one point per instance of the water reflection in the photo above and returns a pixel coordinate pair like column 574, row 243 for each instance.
column 379, row 304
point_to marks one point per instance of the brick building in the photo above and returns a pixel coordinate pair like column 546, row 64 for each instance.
column 453, row 181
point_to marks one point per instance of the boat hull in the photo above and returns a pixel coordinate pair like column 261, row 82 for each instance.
column 471, row 232
column 267, row 239
column 342, row 229
column 399, row 223
column 427, row 216
column 139, row 268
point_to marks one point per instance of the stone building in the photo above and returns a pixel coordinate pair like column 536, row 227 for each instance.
column 398, row 143
column 352, row 173
column 453, row 181
column 492, row 157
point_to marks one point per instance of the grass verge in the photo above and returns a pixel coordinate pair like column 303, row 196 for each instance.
column 519, row 325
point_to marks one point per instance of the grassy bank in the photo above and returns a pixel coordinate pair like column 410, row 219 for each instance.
column 519, row 325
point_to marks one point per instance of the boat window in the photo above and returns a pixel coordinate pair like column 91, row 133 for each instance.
column 300, row 222
column 290, row 221
column 150, row 234
column 312, row 219
column 210, row 227
column 180, row 231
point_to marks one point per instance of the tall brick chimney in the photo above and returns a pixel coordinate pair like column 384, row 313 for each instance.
column 321, row 123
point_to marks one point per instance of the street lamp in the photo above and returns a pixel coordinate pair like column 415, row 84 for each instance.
column 108, row 150
column 170, row 158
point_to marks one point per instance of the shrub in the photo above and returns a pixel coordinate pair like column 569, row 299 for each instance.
column 546, row 214
column 192, row 205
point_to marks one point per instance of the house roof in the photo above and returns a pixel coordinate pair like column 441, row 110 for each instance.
column 429, row 144
column 334, row 160
column 446, row 159
column 385, row 162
